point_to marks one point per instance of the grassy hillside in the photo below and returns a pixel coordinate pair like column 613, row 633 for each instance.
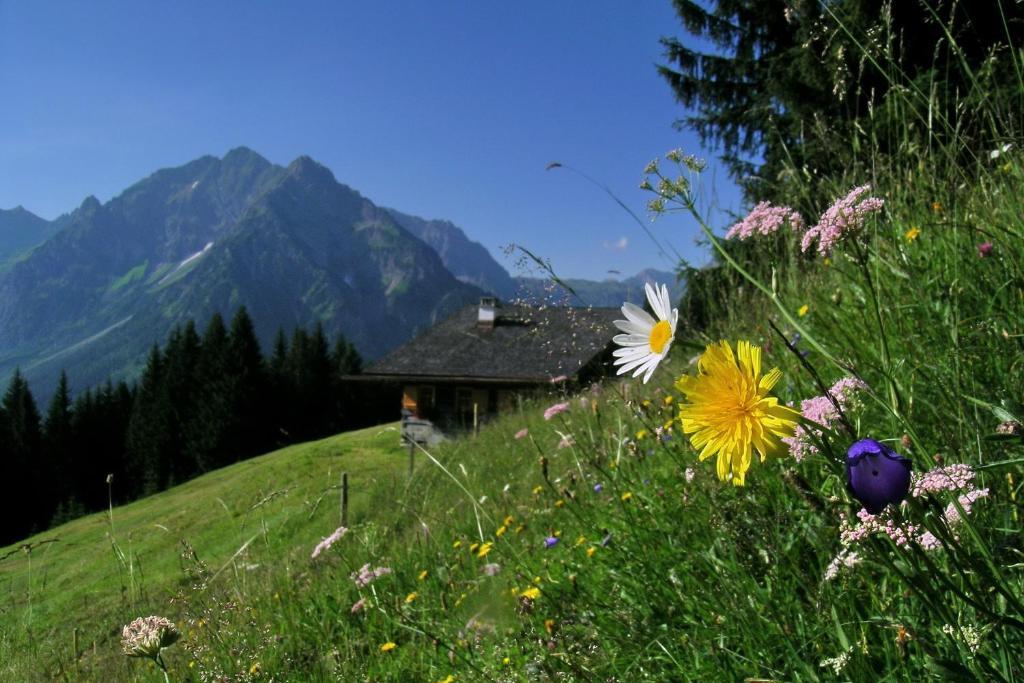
column 99, row 572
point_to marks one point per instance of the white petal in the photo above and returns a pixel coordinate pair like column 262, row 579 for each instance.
column 652, row 299
column 650, row 370
column 630, row 351
column 638, row 315
column 634, row 363
column 632, row 328
column 631, row 339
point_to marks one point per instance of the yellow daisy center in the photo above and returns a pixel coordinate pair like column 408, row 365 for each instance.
column 660, row 335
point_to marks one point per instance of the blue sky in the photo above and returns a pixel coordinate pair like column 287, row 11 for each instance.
column 441, row 109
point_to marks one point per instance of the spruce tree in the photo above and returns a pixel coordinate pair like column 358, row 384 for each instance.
column 27, row 500
column 150, row 440
column 247, row 433
column 58, row 451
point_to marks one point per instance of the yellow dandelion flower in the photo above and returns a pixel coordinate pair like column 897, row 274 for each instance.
column 456, row 544
column 501, row 531
column 641, row 435
column 410, row 597
column 520, row 529
column 255, row 669
column 803, row 310
column 591, row 550
column 508, row 521
column 473, row 547
column 422, row 575
column 729, row 412
column 668, row 400
column 626, row 496
column 912, row 234
column 559, row 503
column 506, row 661
column 537, row 490
column 484, row 549
column 388, row 647
column 531, row 593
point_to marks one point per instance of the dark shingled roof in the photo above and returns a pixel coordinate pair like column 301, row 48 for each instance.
column 527, row 344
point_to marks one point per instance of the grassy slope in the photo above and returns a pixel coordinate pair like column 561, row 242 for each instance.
column 282, row 503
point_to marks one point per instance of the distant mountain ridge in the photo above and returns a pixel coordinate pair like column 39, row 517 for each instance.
column 291, row 244
column 21, row 230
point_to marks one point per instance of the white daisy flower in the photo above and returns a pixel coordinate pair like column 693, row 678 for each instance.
column 646, row 340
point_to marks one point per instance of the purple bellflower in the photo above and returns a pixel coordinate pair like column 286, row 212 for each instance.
column 876, row 475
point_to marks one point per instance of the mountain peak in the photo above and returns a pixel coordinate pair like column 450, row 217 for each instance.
column 90, row 203
column 306, row 167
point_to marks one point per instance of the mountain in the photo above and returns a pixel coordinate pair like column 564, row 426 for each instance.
column 291, row 244
column 21, row 230
column 467, row 260
column 610, row 293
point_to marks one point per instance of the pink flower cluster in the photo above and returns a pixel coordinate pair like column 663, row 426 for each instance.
column 821, row 410
column 764, row 219
column 329, row 541
column 958, row 477
column 555, row 410
column 365, row 576
column 845, row 216
column 845, row 559
column 952, row 514
column 901, row 534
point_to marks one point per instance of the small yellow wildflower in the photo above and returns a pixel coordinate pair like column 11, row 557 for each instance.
column 591, row 550
column 549, row 626
column 422, row 575
column 803, row 310
column 447, row 679
column 912, row 234
column 626, row 496
column 537, row 489
column 501, row 531
column 410, row 597
column 508, row 521
column 388, row 647
column 531, row 593
column 668, row 400
column 456, row 544
column 641, row 435
column 828, row 261
column 937, row 207
column 520, row 529
column 506, row 661
column 581, row 540
column 254, row 670
column 559, row 503
column 484, row 549
column 473, row 547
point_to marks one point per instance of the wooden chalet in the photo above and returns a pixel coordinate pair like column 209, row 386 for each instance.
column 472, row 366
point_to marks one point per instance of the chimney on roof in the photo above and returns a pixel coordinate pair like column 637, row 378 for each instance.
column 488, row 312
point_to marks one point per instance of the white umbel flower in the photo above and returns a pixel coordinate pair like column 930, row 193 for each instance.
column 646, row 340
